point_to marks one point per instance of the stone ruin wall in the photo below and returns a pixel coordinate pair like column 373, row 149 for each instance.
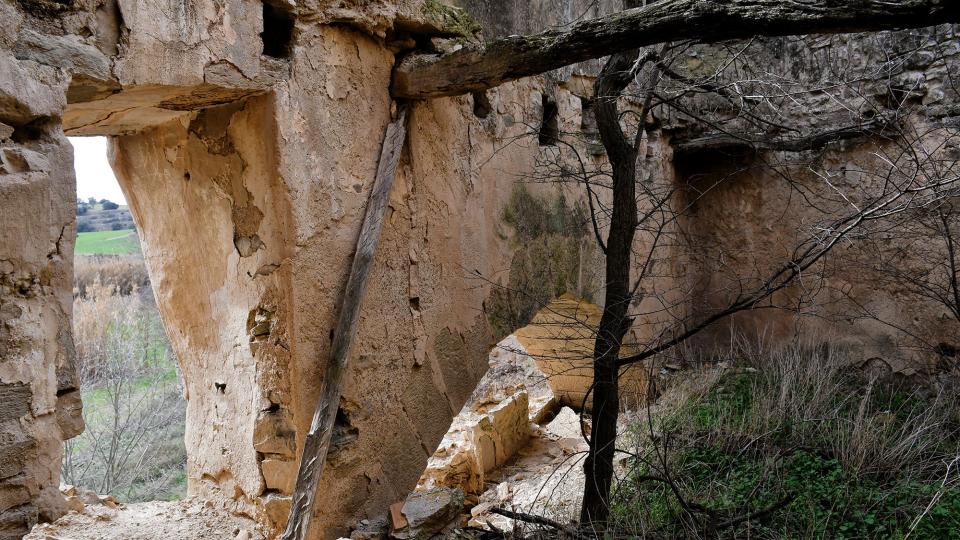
column 752, row 217
column 247, row 175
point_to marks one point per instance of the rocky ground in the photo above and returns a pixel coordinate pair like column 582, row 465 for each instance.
column 106, row 519
column 516, row 444
column 513, row 446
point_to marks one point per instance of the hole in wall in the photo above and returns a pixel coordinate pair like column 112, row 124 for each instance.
column 128, row 375
column 549, row 134
column 344, row 431
column 481, row 105
column 588, row 121
column 589, row 129
column 34, row 130
column 277, row 35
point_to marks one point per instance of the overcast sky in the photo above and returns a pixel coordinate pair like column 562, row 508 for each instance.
column 94, row 175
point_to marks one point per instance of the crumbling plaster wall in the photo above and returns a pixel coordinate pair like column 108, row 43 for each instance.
column 247, row 176
column 39, row 397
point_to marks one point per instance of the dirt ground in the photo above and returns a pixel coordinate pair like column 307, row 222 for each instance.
column 176, row 520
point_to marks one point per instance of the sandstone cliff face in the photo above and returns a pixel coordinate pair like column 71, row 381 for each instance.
column 245, row 135
column 39, row 397
column 749, row 219
column 247, row 165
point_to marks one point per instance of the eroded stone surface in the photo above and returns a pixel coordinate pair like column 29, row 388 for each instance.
column 247, row 165
column 36, row 345
column 560, row 338
column 427, row 513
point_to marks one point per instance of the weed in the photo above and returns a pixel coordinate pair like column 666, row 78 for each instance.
column 836, row 453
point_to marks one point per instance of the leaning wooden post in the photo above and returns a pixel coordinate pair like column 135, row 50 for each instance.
column 318, row 438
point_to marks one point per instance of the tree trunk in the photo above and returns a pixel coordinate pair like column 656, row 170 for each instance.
column 477, row 68
column 614, row 323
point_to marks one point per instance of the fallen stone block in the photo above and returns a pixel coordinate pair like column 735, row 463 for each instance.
column 566, row 425
column 428, row 513
column 480, row 440
column 279, row 474
column 560, row 338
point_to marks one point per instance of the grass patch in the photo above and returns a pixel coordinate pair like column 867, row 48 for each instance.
column 122, row 242
column 797, row 444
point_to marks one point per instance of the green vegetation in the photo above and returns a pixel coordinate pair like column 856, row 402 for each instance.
column 798, row 447
column 133, row 406
column 452, row 19
column 552, row 255
column 102, row 215
column 108, row 242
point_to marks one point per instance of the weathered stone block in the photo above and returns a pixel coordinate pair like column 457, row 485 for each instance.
column 12, row 494
column 561, row 338
column 16, row 522
column 70, row 414
column 428, row 512
column 274, row 434
column 276, row 508
column 279, row 474
column 15, row 399
column 23, row 97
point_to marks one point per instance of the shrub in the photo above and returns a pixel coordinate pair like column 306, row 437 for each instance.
column 552, row 256
column 133, row 406
column 121, row 274
column 831, row 451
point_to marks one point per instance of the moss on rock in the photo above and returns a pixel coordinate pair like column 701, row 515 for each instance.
column 451, row 19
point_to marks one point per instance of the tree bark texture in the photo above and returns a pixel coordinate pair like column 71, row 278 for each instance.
column 477, row 68
column 598, row 467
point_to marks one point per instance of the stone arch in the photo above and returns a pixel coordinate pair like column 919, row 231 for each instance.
column 247, row 176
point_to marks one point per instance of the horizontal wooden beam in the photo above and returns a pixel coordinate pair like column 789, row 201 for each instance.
column 476, row 68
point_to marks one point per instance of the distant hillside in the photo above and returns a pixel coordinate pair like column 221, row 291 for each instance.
column 102, row 215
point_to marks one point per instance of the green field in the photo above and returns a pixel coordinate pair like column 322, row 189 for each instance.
column 113, row 242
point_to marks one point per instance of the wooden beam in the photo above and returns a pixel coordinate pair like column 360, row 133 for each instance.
column 476, row 68
column 318, row 438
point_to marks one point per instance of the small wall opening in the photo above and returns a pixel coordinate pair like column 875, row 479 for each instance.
column 134, row 410
column 481, row 105
column 588, row 127
column 277, row 35
column 344, row 431
column 549, row 134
